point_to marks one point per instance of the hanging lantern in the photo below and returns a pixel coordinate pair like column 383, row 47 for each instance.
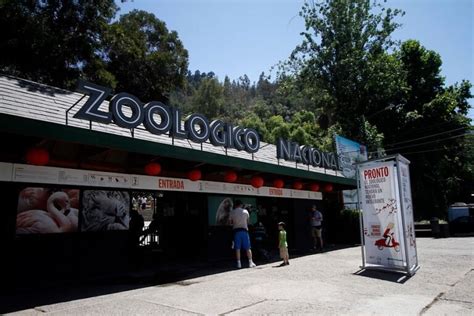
column 230, row 176
column 328, row 187
column 37, row 156
column 153, row 169
column 297, row 185
column 257, row 181
column 314, row 187
column 278, row 183
column 194, row 175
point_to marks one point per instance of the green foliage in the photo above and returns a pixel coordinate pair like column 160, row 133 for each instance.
column 54, row 42
column 254, row 121
column 146, row 59
column 342, row 62
column 209, row 98
column 430, row 128
column 58, row 42
column 358, row 83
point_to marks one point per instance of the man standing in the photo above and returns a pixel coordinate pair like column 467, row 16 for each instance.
column 239, row 218
column 143, row 201
column 316, row 227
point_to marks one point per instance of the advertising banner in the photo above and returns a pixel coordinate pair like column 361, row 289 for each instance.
column 407, row 209
column 349, row 152
column 105, row 210
column 219, row 208
column 42, row 210
column 49, row 210
column 383, row 231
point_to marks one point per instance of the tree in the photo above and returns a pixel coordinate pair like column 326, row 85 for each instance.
column 254, row 121
column 362, row 84
column 265, row 88
column 429, row 126
column 227, row 88
column 342, row 64
column 208, row 99
column 54, row 42
column 146, row 59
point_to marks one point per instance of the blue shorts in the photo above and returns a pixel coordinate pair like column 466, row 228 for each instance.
column 241, row 240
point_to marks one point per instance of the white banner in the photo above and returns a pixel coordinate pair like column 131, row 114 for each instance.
column 53, row 175
column 381, row 217
column 407, row 208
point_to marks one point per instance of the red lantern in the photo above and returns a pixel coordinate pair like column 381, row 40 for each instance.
column 37, row 156
column 257, row 182
column 328, row 187
column 314, row 187
column 194, row 175
column 278, row 183
column 153, row 169
column 230, row 176
column 297, row 185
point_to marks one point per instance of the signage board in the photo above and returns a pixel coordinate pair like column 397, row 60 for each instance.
column 381, row 215
column 127, row 111
column 53, row 175
column 387, row 227
column 349, row 153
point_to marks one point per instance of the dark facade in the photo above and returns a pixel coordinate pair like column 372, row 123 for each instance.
column 38, row 116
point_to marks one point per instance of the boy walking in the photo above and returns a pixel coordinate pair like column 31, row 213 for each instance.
column 283, row 245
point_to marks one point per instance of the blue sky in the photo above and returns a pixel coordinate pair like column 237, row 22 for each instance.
column 236, row 37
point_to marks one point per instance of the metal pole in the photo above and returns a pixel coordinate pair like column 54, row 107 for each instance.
column 361, row 222
column 75, row 103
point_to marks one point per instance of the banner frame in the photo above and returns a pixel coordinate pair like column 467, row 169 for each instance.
column 408, row 270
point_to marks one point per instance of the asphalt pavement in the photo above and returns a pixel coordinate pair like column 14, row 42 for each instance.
column 328, row 283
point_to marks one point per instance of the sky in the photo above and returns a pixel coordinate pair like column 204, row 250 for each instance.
column 237, row 37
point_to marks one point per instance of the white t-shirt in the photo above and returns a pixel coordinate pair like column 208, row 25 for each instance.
column 316, row 218
column 240, row 218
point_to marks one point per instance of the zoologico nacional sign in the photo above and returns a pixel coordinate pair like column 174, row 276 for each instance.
column 158, row 118
column 197, row 127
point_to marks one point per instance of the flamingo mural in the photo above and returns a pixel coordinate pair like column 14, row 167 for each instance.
column 42, row 211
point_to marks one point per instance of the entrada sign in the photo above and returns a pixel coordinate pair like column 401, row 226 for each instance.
column 197, row 127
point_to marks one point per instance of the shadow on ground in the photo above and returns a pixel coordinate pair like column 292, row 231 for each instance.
column 38, row 293
column 390, row 276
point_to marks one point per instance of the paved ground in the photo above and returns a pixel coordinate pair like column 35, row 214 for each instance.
column 327, row 283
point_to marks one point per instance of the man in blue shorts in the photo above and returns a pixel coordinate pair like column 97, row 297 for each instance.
column 239, row 218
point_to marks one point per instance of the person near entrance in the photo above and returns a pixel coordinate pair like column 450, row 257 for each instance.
column 152, row 230
column 316, row 227
column 239, row 218
column 137, row 222
column 283, row 245
column 143, row 201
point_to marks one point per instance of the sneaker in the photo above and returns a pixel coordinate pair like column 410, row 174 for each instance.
column 282, row 264
column 252, row 265
column 239, row 265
